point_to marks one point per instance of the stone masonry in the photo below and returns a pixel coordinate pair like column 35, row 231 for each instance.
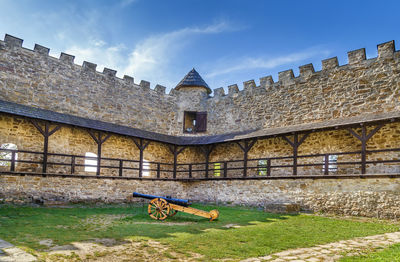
column 361, row 87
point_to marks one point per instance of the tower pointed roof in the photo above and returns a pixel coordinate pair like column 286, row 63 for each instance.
column 193, row 79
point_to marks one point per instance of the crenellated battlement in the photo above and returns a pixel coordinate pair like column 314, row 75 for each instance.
column 287, row 78
column 359, row 87
column 12, row 42
column 33, row 77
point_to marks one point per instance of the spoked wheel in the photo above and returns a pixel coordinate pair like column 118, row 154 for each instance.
column 172, row 212
column 159, row 209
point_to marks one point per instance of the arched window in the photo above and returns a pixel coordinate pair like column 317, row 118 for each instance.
column 90, row 163
column 146, row 168
column 7, row 155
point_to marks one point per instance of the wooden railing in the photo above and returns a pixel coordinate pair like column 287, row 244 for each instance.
column 314, row 165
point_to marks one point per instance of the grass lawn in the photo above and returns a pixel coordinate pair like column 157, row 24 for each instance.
column 238, row 233
column 391, row 254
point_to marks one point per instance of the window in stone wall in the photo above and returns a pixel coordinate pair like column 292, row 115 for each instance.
column 332, row 167
column 146, row 168
column 5, row 154
column 194, row 122
column 262, row 167
column 217, row 169
column 90, row 163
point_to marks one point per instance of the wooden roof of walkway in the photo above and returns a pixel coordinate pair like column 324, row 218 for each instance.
column 60, row 118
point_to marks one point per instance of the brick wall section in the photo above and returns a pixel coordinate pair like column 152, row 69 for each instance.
column 371, row 197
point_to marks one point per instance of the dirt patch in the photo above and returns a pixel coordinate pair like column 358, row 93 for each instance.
column 231, row 226
column 110, row 250
column 46, row 242
column 100, row 222
column 164, row 223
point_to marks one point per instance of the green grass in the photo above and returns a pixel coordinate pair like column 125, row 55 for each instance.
column 259, row 233
column 391, row 254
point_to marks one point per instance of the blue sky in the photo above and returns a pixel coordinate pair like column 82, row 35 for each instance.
column 228, row 42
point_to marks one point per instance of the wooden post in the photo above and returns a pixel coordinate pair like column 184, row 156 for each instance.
column 12, row 166
column 158, row 170
column 268, row 167
column 295, row 145
column 248, row 144
column 72, row 165
column 46, row 133
column 99, row 139
column 364, row 139
column 326, row 165
column 225, row 169
column 141, row 145
column 190, row 170
column 121, row 164
column 207, row 149
column 175, row 151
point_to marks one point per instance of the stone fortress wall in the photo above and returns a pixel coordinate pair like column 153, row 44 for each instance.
column 32, row 77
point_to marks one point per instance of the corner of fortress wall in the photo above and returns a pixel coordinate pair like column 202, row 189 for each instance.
column 362, row 86
column 34, row 78
column 356, row 58
column 14, row 44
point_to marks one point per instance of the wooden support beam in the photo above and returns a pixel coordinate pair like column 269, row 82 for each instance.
column 46, row 132
column 175, row 150
column 207, row 150
column 99, row 138
column 248, row 144
column 295, row 145
column 364, row 137
column 141, row 144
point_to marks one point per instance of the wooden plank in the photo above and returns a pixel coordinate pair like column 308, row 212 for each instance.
column 201, row 121
column 93, row 136
column 326, row 165
column 191, row 210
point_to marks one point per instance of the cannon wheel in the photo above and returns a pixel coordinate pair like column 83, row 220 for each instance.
column 159, row 209
column 172, row 212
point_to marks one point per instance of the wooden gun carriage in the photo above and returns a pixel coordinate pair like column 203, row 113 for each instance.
column 162, row 207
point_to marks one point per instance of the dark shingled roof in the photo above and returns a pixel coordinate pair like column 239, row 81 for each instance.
column 43, row 114
column 193, row 79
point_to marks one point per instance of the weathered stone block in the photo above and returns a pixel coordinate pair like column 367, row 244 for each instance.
column 386, row 50
column 330, row 63
column 306, row 70
column 13, row 41
column 41, row 49
column 356, row 56
column 67, row 58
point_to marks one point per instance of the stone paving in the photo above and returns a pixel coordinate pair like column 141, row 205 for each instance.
column 10, row 253
column 327, row 252
column 332, row 251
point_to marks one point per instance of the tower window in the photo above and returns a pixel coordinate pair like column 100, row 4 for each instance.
column 194, row 122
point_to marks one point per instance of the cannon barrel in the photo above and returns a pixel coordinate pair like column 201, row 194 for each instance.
column 177, row 201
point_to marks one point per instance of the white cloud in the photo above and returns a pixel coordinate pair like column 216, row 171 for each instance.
column 246, row 63
column 99, row 52
column 154, row 55
column 150, row 59
column 125, row 3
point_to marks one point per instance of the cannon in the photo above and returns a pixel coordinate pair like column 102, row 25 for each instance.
column 162, row 207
